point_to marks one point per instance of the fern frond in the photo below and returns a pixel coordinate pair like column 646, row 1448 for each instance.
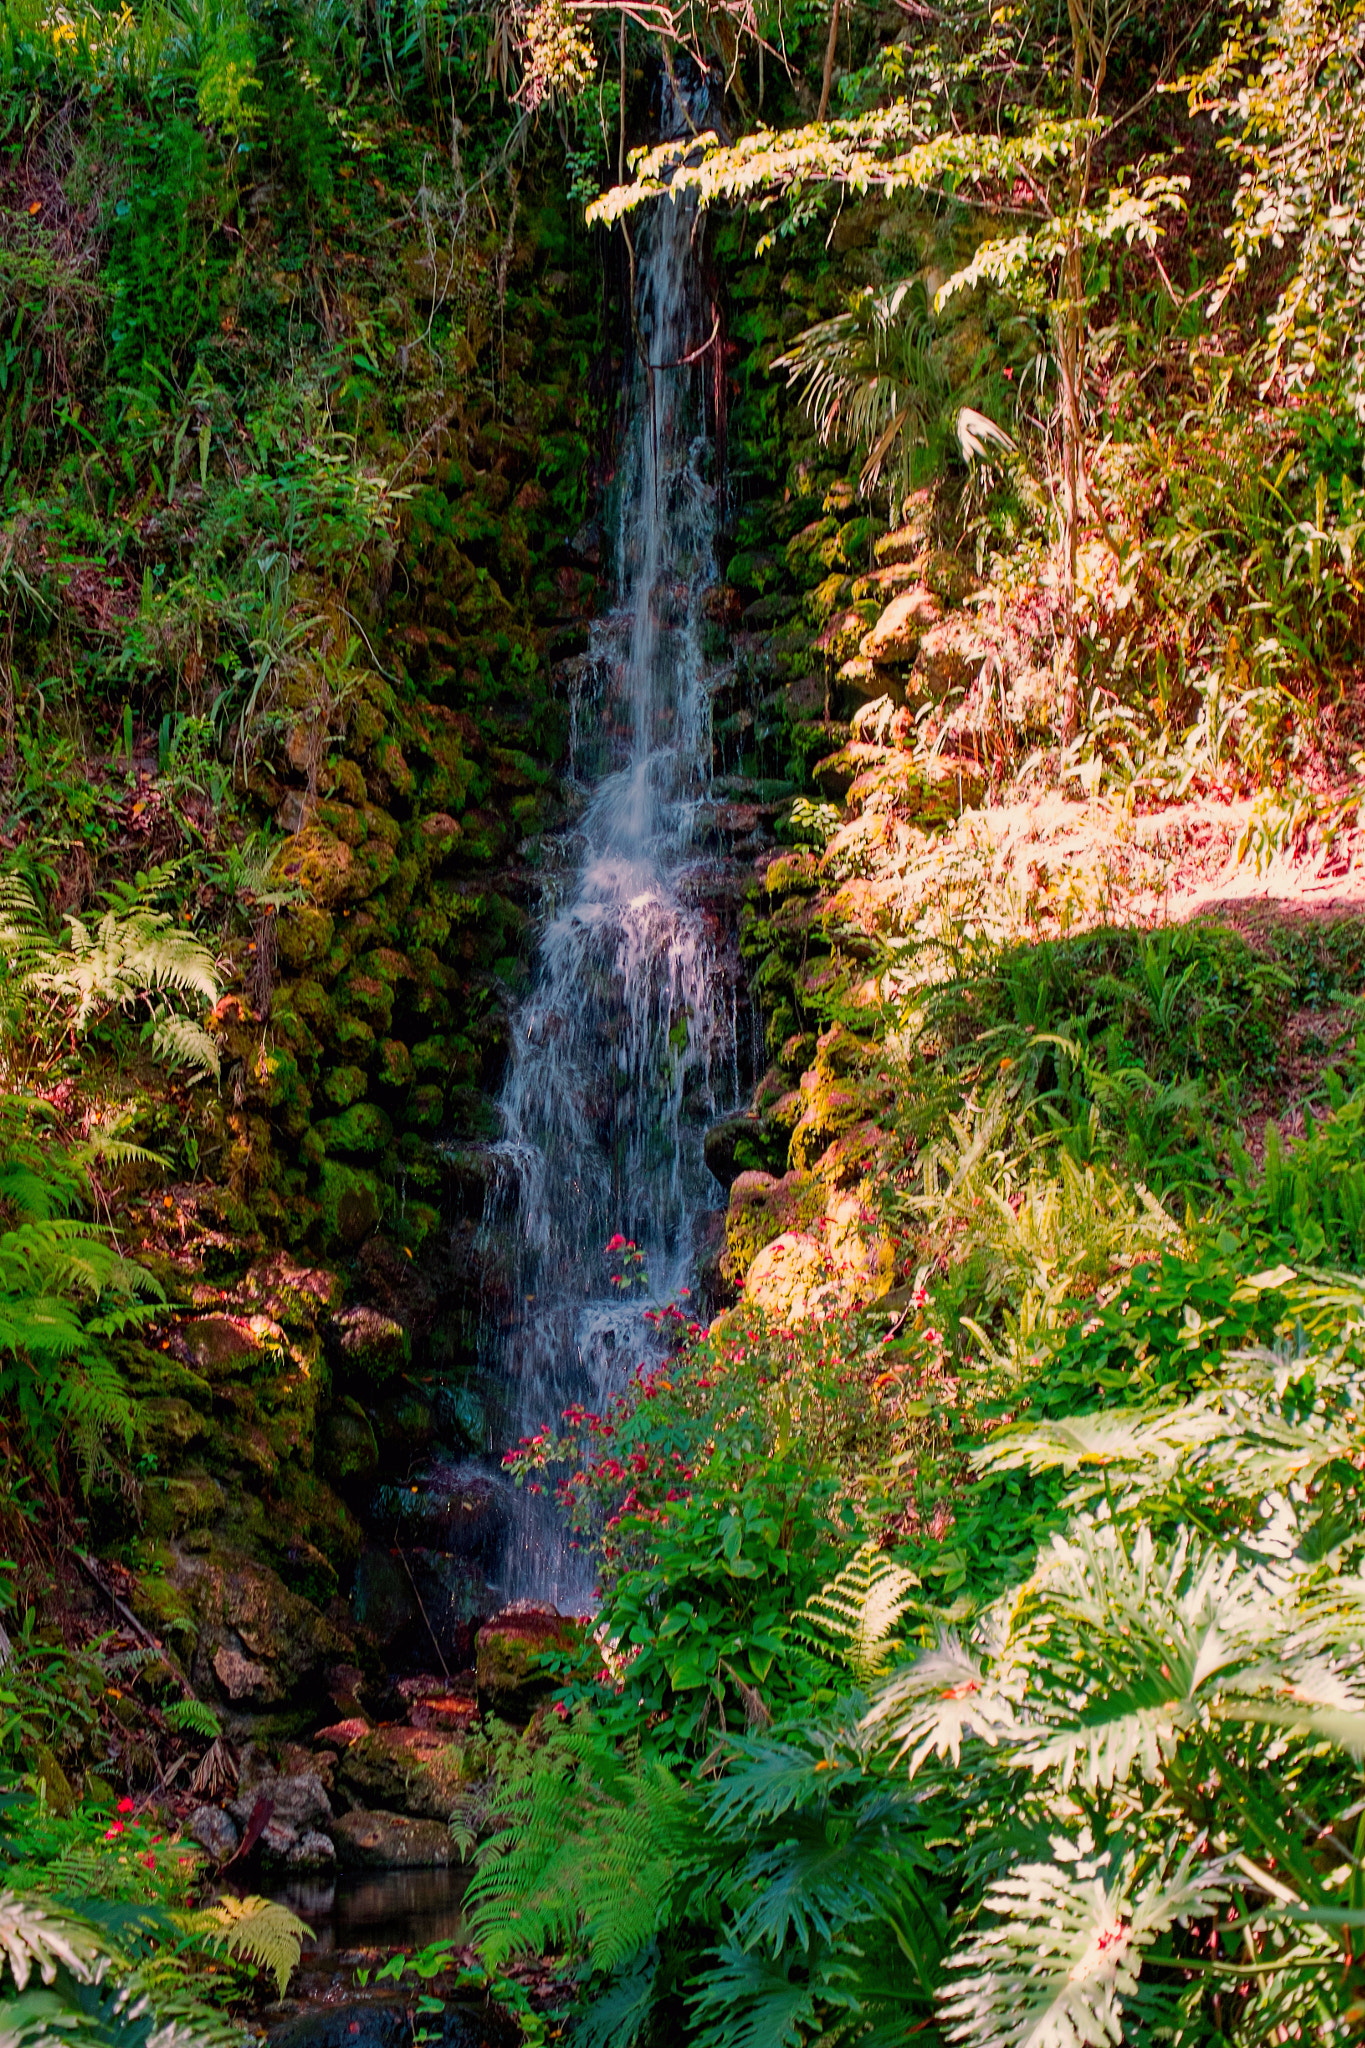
column 195, row 1716
column 588, row 1852
column 180, row 1042
column 263, row 1931
column 860, row 1607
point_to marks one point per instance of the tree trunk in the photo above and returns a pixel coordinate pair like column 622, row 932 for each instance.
column 827, row 81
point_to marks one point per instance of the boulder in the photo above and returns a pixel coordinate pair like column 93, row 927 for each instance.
column 898, row 632
column 214, row 1831
column 367, row 1345
column 509, row 1649
column 391, row 1841
column 418, row 1771
column 950, row 657
column 298, row 1802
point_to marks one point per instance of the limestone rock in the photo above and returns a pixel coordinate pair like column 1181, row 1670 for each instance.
column 367, row 1840
column 296, row 1802
column 418, row 1771
column 214, row 1831
column 898, row 632
column 238, row 1676
column 508, row 1652
column 312, row 1851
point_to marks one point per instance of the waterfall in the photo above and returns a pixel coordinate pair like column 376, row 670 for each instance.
column 624, row 1049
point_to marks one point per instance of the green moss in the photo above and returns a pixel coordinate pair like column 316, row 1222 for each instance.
column 344, row 1086
column 350, row 1201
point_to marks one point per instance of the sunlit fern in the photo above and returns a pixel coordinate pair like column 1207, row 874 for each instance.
column 858, row 1610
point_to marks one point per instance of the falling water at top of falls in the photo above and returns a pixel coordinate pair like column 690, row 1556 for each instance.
column 624, row 1049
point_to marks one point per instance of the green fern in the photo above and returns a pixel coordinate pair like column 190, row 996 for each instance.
column 859, row 1608
column 261, row 1931
column 584, row 1857
column 195, row 1717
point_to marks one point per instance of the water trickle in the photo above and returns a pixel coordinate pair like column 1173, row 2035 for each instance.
column 624, row 1049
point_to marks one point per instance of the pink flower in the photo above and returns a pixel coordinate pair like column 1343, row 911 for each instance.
column 920, row 1297
column 933, row 1336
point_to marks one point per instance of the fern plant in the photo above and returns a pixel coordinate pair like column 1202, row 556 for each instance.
column 65, row 1290
column 135, row 959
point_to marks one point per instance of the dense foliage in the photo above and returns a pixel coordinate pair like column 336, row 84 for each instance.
column 978, row 1656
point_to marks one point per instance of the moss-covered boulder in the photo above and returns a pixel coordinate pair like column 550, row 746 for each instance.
column 366, row 1840
column 510, row 1654
column 418, row 1771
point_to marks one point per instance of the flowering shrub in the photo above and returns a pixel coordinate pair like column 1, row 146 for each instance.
column 721, row 1486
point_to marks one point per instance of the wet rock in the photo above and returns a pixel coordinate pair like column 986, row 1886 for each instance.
column 369, row 1840
column 384, row 1602
column 417, row 1771
column 312, row 1851
column 366, row 1345
column 509, row 1650
column 724, row 1140
column 339, row 1734
column 214, row 1831
column 356, row 2024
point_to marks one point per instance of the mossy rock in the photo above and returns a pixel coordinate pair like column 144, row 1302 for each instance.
column 763, row 1208
column 755, row 569
column 304, row 935
column 166, row 1427
column 191, row 1501
column 510, row 1653
column 395, row 1063
column 365, row 1345
column 417, row 1771
column 347, row 1451
column 344, row 1086
column 359, row 1132
column 350, row 1201
column 322, row 865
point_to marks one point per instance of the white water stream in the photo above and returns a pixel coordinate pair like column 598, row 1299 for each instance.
column 625, row 1048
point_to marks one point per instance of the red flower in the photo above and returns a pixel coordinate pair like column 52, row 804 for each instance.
column 116, row 1829
column 126, row 1806
column 615, row 1244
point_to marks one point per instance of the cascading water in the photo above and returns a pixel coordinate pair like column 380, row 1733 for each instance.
column 625, row 1047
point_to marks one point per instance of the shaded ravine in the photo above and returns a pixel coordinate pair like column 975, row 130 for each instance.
column 625, row 1047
